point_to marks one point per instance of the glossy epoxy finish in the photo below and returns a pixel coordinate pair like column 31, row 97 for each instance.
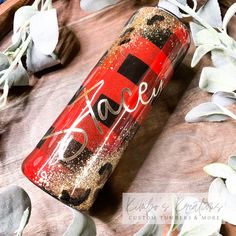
column 81, row 149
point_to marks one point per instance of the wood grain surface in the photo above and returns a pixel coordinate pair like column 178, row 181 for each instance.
column 7, row 10
column 167, row 154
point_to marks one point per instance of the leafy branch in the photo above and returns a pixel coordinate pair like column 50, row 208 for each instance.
column 209, row 32
column 35, row 35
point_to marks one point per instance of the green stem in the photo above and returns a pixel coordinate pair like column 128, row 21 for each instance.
column 192, row 13
column 19, row 52
column 16, row 60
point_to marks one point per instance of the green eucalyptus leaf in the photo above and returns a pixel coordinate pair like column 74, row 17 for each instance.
column 206, row 112
column 231, row 184
column 214, row 79
column 37, row 61
column 217, row 193
column 201, row 51
column 219, row 170
column 196, row 223
column 195, row 28
column 230, row 209
column 184, row 207
column 221, row 59
column 82, row 225
column 224, row 98
column 17, row 77
column 151, row 227
column 173, row 224
column 23, row 222
column 4, row 62
column 210, row 12
column 91, row 5
column 198, row 228
column 228, row 15
column 44, row 31
column 14, row 202
column 232, row 162
column 22, row 15
column 14, row 46
column 207, row 36
column 170, row 7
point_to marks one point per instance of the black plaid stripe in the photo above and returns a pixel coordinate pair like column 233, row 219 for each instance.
column 111, row 117
column 41, row 142
column 133, row 69
column 76, row 95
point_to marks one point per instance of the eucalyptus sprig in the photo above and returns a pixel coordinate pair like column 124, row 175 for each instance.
column 35, row 35
column 220, row 206
column 209, row 33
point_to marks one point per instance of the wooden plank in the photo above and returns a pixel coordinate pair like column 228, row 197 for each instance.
column 7, row 11
column 166, row 155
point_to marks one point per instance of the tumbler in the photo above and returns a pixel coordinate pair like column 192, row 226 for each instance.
column 80, row 150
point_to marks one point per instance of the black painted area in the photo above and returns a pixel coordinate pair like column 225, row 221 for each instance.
column 111, row 117
column 154, row 19
column 78, row 197
column 159, row 38
column 133, row 69
column 105, row 168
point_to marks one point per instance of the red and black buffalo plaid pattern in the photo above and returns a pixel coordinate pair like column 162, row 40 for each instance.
column 137, row 56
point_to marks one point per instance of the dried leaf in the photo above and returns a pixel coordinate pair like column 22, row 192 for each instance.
column 232, row 162
column 211, row 13
column 44, row 31
column 37, row 61
column 219, row 170
column 201, row 51
column 151, row 228
column 224, row 98
column 228, row 15
column 91, row 5
column 213, row 80
column 206, row 112
column 82, row 225
column 13, row 203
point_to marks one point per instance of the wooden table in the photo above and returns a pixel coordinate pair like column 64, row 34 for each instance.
column 167, row 154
